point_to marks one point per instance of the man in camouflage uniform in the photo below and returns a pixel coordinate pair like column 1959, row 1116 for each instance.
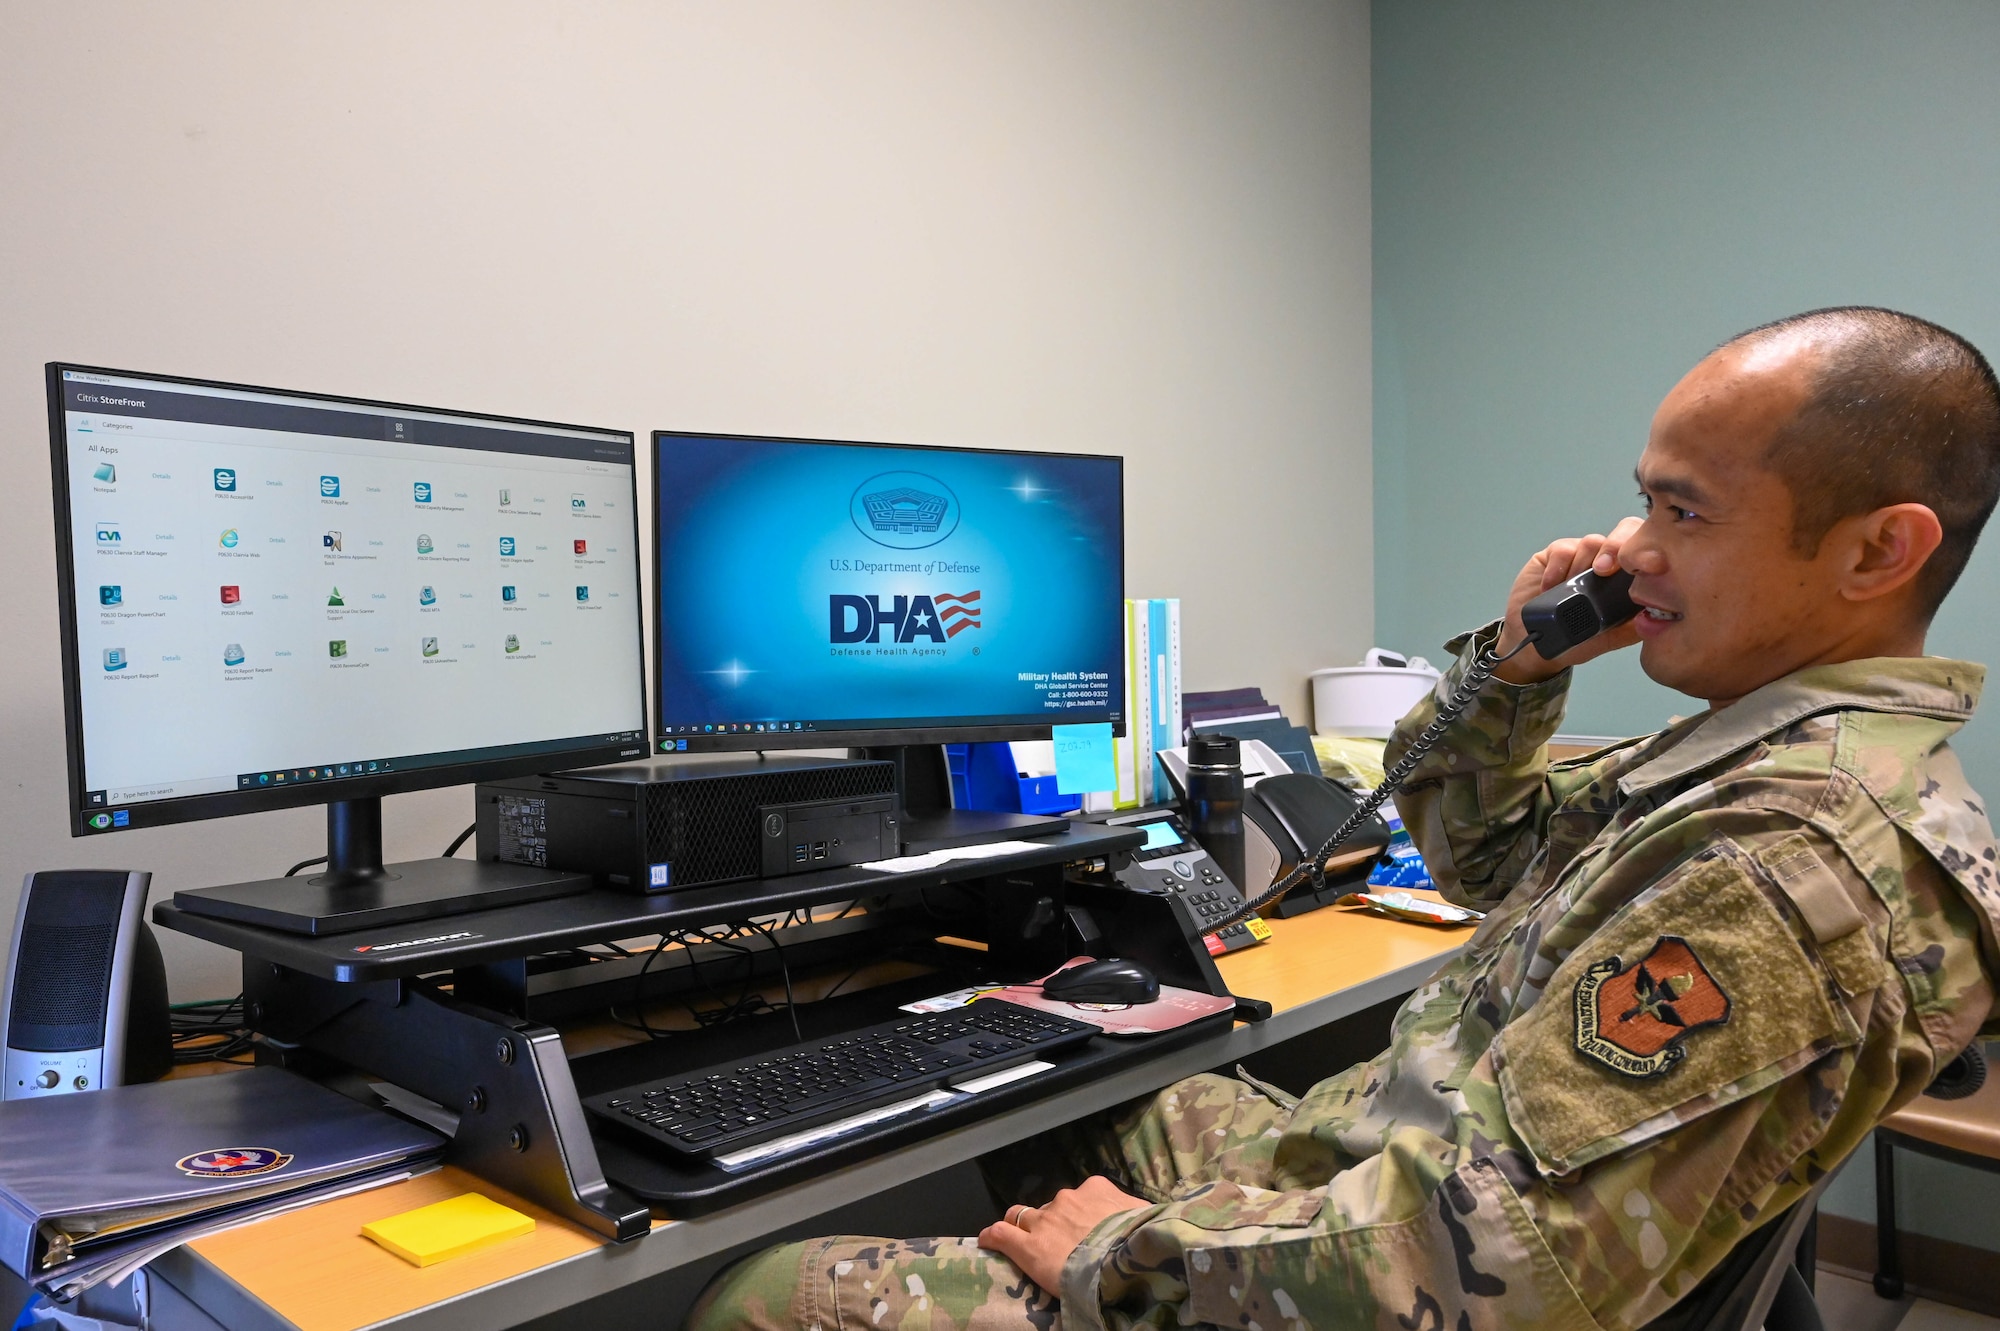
column 1715, row 957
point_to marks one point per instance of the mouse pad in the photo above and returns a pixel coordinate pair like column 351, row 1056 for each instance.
column 1173, row 1008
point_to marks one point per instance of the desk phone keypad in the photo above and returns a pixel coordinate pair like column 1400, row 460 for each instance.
column 1172, row 864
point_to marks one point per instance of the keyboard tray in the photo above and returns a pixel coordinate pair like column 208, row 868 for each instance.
column 716, row 1110
column 685, row 1186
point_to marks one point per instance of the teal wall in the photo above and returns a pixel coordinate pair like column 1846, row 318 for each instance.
column 1574, row 201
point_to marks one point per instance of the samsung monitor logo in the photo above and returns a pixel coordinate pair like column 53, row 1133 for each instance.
column 854, row 618
column 904, row 510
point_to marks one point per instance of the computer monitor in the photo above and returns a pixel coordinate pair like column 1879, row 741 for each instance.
column 273, row 599
column 814, row 593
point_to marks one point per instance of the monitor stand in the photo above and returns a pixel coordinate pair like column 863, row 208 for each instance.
column 929, row 820
column 358, row 891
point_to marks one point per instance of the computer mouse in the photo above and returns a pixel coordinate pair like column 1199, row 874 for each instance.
column 1112, row 980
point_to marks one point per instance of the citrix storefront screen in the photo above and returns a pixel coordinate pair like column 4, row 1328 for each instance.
column 822, row 586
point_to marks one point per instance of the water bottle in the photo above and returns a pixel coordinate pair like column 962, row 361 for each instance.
column 1215, row 802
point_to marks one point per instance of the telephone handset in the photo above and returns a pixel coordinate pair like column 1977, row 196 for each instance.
column 1557, row 621
column 1576, row 611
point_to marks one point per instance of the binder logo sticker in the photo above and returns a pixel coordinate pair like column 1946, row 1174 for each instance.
column 904, row 510
column 1633, row 1020
column 232, row 1162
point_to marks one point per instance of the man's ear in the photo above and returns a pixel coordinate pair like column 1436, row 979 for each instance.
column 1883, row 551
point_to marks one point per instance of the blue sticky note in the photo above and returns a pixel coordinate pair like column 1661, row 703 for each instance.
column 1083, row 759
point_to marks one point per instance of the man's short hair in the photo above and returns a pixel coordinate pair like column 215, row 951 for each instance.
column 1900, row 411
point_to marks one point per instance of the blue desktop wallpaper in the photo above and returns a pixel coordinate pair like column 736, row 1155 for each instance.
column 850, row 582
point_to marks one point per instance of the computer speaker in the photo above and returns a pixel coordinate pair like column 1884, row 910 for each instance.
column 83, row 1001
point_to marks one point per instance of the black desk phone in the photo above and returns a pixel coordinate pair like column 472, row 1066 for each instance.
column 1173, row 864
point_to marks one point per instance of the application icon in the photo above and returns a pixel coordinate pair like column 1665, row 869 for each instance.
column 374, row 766
column 107, row 533
column 334, row 598
column 225, row 478
column 423, row 489
column 506, row 498
column 329, row 487
column 232, row 654
column 583, row 593
column 330, row 541
column 107, row 473
column 508, row 593
column 513, row 642
column 424, row 545
column 229, row 538
column 506, row 546
column 576, row 504
column 427, row 596
column 430, row 646
column 114, row 658
column 337, row 648
column 279, row 778
column 342, row 769
column 111, row 594
column 263, row 778
column 583, row 547
column 232, row 595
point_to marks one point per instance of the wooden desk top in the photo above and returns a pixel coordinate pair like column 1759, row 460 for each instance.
column 314, row 1270
column 1325, row 951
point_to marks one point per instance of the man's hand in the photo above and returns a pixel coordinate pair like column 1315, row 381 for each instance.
column 1039, row 1239
column 1560, row 562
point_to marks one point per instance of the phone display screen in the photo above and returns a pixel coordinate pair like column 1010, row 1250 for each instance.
column 1162, row 836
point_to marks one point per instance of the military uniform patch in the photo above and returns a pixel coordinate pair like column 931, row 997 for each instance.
column 1633, row 1020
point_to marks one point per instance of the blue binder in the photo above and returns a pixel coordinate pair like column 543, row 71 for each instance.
column 84, row 1178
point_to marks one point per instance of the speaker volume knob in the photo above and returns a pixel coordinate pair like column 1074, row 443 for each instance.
column 48, row 1080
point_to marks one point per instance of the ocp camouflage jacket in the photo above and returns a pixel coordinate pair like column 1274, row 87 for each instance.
column 1715, row 957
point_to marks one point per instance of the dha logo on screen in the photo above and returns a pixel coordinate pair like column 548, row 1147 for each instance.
column 904, row 510
column 939, row 618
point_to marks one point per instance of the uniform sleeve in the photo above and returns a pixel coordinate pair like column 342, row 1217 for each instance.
column 1477, row 804
column 1591, row 1174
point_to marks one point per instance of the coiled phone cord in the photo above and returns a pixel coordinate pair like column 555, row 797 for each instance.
column 1314, row 866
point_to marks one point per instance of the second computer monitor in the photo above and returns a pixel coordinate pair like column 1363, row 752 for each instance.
column 819, row 594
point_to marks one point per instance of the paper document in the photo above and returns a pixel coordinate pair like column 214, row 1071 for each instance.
column 936, row 859
column 840, row 1127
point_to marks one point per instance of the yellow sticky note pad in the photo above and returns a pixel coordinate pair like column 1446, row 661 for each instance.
column 450, row 1228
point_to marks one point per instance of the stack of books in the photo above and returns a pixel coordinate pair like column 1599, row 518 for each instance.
column 1153, row 718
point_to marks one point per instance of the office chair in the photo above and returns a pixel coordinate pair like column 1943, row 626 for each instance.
column 1766, row 1281
column 1953, row 1120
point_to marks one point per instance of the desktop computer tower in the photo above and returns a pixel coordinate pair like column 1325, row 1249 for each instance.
column 685, row 822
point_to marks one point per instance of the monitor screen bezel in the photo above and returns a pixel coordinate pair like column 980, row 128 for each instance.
column 965, row 733
column 223, row 804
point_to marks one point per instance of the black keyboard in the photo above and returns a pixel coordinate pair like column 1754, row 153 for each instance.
column 726, row 1108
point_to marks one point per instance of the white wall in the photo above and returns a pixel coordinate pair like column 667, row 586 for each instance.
column 1138, row 226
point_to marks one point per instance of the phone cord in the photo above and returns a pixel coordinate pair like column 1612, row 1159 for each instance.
column 1313, row 866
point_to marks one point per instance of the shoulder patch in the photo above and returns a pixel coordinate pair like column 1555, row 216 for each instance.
column 1599, row 1065
column 1632, row 1019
